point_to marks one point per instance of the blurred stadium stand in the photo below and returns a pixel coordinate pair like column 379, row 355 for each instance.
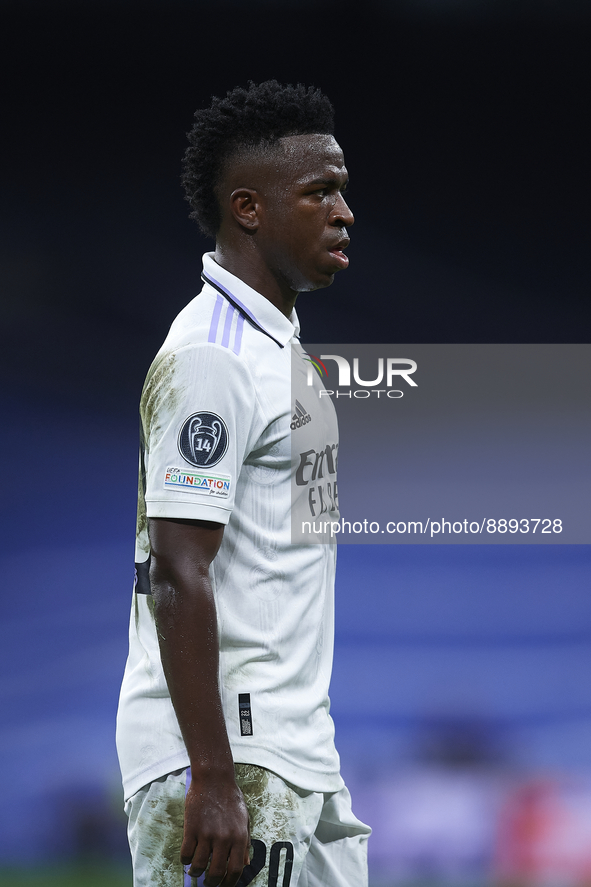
column 460, row 686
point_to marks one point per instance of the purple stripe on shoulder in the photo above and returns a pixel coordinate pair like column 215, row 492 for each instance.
column 230, row 312
column 217, row 310
column 238, row 334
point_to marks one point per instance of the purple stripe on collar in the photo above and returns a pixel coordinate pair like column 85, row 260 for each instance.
column 239, row 305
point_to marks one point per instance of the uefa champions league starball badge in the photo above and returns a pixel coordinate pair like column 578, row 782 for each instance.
column 203, row 439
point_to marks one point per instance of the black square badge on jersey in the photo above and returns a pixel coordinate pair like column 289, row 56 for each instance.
column 245, row 714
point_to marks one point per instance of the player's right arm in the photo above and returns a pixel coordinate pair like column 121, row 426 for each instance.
column 216, row 819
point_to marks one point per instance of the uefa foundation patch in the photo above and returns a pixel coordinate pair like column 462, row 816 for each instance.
column 207, row 484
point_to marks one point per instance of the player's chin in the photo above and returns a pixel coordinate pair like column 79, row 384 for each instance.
column 320, row 272
column 319, row 282
column 325, row 273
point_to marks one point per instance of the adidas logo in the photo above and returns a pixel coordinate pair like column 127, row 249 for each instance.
column 300, row 417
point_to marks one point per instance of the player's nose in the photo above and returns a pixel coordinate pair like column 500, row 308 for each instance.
column 342, row 215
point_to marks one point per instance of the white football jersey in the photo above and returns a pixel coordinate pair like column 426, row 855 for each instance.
column 227, row 437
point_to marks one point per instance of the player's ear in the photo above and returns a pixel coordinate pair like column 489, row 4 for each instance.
column 245, row 208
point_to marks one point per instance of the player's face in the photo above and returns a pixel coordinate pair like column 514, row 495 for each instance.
column 302, row 232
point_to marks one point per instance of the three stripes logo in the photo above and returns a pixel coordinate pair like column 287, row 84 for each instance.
column 300, row 417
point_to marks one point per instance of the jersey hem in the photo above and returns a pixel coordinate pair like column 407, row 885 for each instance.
column 173, row 508
column 155, row 771
column 308, row 780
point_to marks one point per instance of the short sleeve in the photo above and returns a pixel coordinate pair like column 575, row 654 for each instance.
column 200, row 417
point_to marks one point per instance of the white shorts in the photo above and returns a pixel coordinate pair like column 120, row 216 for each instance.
column 308, row 839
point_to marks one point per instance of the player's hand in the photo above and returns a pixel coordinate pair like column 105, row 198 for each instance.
column 216, row 831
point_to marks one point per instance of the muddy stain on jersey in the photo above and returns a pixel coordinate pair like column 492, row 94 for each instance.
column 142, row 518
column 159, row 392
column 159, row 397
column 162, row 840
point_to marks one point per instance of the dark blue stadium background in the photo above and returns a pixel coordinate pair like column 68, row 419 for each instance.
column 464, row 130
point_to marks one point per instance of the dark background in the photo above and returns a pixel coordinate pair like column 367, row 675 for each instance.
column 465, row 128
column 464, row 124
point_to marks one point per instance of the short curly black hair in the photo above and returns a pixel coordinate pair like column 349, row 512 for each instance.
column 245, row 118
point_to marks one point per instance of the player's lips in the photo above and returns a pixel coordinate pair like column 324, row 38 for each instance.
column 337, row 252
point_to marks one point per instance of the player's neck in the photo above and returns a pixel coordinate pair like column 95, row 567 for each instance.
column 250, row 269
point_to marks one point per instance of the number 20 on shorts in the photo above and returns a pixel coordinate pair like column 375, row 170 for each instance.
column 259, row 857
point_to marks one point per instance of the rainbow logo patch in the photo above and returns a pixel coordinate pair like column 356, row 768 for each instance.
column 208, row 484
column 317, row 363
